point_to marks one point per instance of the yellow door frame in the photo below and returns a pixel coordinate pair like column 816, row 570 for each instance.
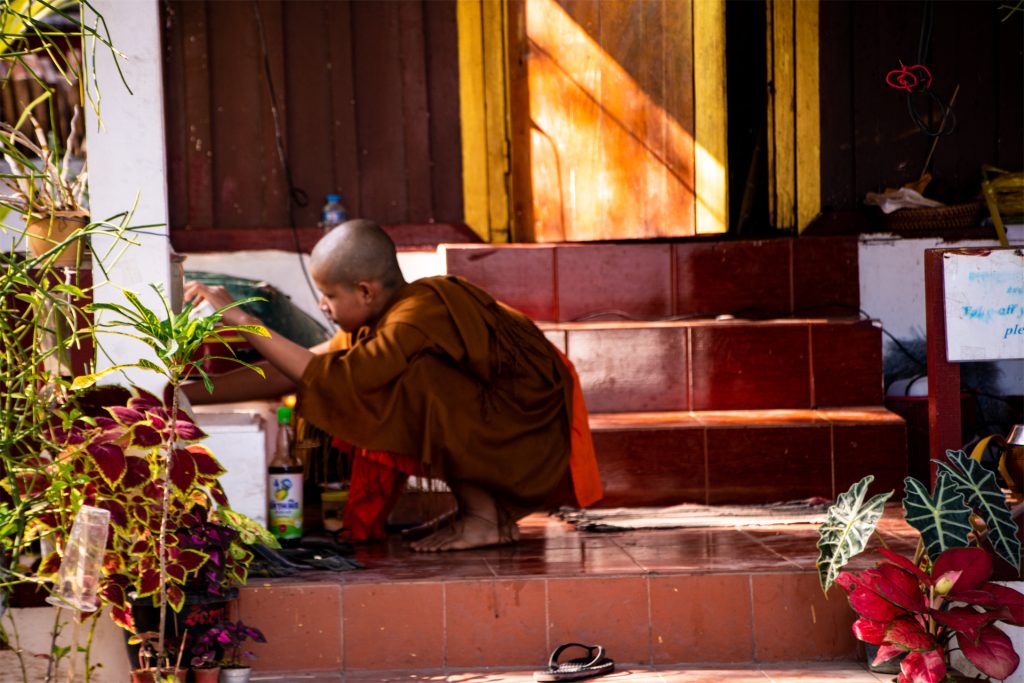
column 794, row 119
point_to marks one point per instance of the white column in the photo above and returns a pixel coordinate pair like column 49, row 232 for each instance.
column 128, row 171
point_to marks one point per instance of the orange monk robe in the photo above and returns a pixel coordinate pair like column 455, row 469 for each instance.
column 464, row 388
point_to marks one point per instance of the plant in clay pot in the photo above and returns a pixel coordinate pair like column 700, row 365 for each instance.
column 46, row 190
column 942, row 599
column 228, row 639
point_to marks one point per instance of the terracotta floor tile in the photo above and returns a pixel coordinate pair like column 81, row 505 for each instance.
column 538, row 567
column 626, row 370
column 700, row 618
column 495, row 623
column 613, row 612
column 604, row 278
column 299, row 677
column 682, row 674
column 493, row 677
column 793, row 619
column 730, row 266
column 376, row 639
column 632, row 477
column 302, row 625
column 522, row 277
column 795, row 462
column 396, row 677
column 612, row 588
column 820, row 672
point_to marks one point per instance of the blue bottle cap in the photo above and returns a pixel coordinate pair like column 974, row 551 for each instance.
column 334, row 197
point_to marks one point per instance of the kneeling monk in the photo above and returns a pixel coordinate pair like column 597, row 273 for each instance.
column 438, row 379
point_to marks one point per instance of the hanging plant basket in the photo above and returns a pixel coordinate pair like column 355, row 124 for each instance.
column 46, row 231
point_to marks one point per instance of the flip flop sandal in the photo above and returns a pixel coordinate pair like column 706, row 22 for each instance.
column 596, row 664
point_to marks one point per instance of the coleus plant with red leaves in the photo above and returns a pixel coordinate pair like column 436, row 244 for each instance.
column 116, row 462
column 922, row 608
column 143, row 462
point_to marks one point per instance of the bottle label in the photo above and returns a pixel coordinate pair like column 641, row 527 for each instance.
column 334, row 216
column 285, row 509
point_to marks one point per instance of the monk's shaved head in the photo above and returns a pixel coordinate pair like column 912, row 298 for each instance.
column 355, row 251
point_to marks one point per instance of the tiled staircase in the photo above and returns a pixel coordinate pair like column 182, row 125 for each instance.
column 779, row 401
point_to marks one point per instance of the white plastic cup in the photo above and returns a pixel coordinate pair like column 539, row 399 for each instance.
column 78, row 579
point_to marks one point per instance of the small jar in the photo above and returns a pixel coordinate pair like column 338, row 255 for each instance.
column 332, row 504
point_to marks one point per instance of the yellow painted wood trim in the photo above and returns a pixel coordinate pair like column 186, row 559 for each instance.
column 484, row 115
column 495, row 44
column 711, row 152
column 769, row 49
column 808, row 117
column 472, row 115
column 783, row 106
column 794, row 117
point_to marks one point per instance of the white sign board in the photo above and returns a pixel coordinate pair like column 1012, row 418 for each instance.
column 984, row 293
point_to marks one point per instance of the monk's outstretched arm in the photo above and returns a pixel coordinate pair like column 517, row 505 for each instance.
column 286, row 356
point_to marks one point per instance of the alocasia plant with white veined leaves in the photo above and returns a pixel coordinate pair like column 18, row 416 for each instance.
column 914, row 607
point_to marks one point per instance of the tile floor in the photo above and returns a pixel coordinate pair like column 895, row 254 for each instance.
column 792, row 672
column 552, row 548
column 655, row 599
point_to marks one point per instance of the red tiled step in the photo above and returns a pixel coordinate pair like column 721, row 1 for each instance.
column 724, row 365
column 652, row 598
column 746, row 456
column 815, row 276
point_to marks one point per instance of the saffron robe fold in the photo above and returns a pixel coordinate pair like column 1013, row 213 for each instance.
column 464, row 385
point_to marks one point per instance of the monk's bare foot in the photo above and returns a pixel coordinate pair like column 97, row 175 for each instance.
column 419, row 531
column 477, row 524
column 469, row 531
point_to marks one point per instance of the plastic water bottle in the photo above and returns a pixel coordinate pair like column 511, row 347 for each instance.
column 333, row 212
column 284, row 485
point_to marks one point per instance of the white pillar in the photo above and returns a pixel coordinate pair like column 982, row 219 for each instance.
column 128, row 171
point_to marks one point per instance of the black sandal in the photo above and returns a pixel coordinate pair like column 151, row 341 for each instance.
column 595, row 664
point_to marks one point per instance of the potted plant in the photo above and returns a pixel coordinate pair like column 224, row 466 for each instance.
column 141, row 459
column 942, row 599
column 46, row 190
column 228, row 639
column 205, row 665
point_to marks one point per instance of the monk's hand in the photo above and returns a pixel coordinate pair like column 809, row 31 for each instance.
column 217, row 297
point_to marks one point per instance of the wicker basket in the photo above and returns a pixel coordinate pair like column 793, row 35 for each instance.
column 967, row 215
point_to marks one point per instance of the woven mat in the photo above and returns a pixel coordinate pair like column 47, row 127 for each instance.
column 691, row 515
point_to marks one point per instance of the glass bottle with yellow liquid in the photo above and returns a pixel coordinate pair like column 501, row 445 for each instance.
column 284, row 485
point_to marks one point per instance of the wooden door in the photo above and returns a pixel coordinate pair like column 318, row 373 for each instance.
column 603, row 136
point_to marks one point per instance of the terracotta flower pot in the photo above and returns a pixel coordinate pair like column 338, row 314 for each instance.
column 44, row 232
column 209, row 675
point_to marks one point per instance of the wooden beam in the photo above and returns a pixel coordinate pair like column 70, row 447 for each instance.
column 794, row 120
column 407, row 236
column 808, row 119
column 483, row 98
column 710, row 119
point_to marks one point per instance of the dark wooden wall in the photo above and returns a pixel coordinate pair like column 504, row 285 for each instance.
column 868, row 140
column 368, row 105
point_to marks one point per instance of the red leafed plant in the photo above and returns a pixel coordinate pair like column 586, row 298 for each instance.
column 142, row 462
column 116, row 462
column 916, row 610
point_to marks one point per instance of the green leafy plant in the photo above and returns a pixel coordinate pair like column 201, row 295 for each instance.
column 914, row 607
column 143, row 463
